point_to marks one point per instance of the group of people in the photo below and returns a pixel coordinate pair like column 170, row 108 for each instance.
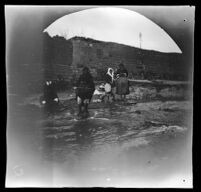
column 85, row 87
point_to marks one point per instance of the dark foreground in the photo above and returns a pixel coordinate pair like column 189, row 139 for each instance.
column 147, row 144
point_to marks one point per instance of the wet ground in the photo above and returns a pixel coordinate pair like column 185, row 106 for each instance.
column 122, row 144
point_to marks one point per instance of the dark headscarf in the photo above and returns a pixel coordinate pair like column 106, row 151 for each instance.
column 122, row 69
column 85, row 79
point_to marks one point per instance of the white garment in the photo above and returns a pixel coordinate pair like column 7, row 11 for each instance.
column 107, row 88
column 79, row 101
column 110, row 72
column 97, row 92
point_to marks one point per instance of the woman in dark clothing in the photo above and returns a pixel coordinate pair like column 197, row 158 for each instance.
column 122, row 84
column 50, row 98
column 84, row 91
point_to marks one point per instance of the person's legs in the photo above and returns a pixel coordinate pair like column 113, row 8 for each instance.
column 113, row 96
column 102, row 98
column 106, row 98
column 50, row 107
column 46, row 110
column 86, row 103
column 86, row 108
column 124, row 98
column 121, row 97
column 80, row 105
column 79, row 109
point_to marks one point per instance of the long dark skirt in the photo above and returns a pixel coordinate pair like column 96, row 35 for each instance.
column 85, row 93
column 122, row 86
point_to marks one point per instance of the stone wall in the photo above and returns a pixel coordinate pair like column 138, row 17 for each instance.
column 57, row 57
column 68, row 57
column 101, row 55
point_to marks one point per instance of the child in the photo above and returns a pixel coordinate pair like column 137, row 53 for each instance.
column 50, row 99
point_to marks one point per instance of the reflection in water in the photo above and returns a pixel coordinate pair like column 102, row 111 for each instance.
column 118, row 145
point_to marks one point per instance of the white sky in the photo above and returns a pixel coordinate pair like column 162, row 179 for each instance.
column 114, row 25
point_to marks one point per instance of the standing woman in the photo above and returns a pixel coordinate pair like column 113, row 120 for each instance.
column 84, row 91
column 122, row 83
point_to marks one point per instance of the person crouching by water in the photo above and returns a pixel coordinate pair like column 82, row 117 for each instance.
column 50, row 99
column 122, row 83
column 84, row 91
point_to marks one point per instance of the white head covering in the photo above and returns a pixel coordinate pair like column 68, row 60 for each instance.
column 110, row 72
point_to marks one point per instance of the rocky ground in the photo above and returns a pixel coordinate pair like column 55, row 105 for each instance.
column 143, row 142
